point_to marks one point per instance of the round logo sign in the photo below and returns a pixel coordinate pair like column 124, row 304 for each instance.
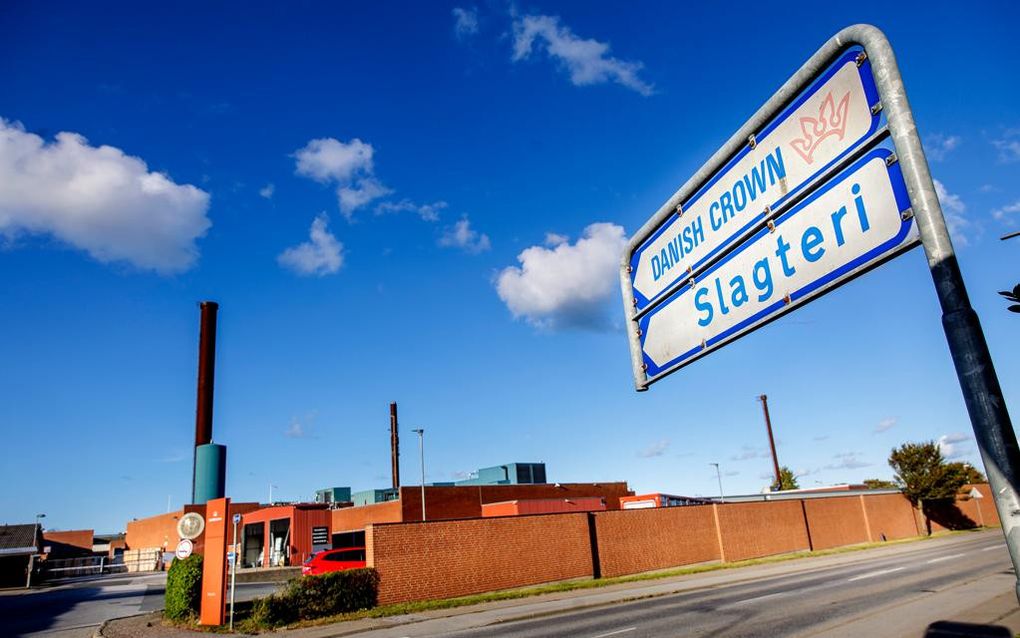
column 191, row 526
column 184, row 549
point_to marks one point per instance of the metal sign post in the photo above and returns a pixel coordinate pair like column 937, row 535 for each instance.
column 664, row 271
column 233, row 570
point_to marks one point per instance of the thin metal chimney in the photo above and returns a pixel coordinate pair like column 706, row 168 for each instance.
column 394, row 446
column 206, row 377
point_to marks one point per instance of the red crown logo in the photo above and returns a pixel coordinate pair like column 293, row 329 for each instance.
column 831, row 121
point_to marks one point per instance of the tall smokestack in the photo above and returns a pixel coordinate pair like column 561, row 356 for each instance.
column 394, row 446
column 206, row 375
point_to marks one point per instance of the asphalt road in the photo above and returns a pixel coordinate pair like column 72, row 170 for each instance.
column 896, row 594
column 75, row 610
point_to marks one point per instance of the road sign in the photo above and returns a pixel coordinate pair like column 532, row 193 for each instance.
column 852, row 222
column 825, row 121
column 191, row 526
column 184, row 549
column 807, row 195
column 230, row 558
column 974, row 493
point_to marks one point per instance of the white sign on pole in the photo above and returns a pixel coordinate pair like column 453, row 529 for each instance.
column 830, row 118
column 184, row 549
column 848, row 225
column 808, row 194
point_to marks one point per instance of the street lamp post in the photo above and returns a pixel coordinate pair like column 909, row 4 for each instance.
column 35, row 546
column 271, row 486
column 718, row 476
column 421, row 452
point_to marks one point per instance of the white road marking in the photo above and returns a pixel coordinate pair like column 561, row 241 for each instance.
column 881, row 572
column 613, row 633
column 757, row 598
column 988, row 549
column 942, row 558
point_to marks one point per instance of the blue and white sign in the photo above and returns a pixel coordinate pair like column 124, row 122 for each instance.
column 822, row 125
column 853, row 222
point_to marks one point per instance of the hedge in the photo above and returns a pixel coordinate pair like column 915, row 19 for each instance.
column 184, row 588
column 311, row 597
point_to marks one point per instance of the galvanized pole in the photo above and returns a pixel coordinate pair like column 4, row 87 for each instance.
column 772, row 444
column 981, row 392
column 233, row 571
column 421, row 451
column 718, row 475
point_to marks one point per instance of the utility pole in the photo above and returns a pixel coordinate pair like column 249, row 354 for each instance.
column 718, row 475
column 421, row 451
column 772, row 443
column 35, row 547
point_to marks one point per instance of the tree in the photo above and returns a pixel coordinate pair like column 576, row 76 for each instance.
column 1012, row 296
column 970, row 474
column 787, row 481
column 878, row 484
column 923, row 474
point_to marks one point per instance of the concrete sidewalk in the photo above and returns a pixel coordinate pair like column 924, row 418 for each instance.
column 998, row 603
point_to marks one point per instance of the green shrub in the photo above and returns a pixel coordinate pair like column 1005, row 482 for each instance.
column 184, row 588
column 273, row 611
column 311, row 597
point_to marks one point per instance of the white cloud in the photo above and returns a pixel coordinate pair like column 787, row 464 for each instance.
column 953, row 209
column 1003, row 213
column 1008, row 145
column 885, row 425
column 348, row 165
column 361, row 193
column 747, row 453
column 954, row 446
column 847, row 461
column 295, row 430
column 428, row 212
column 587, row 61
column 99, row 200
column 938, row 146
column 267, row 191
column 655, row 449
column 465, row 22
column 567, row 285
column 462, row 236
column 321, row 255
column 330, row 160
column 555, row 239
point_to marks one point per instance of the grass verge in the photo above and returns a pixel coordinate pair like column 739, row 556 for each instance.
column 244, row 624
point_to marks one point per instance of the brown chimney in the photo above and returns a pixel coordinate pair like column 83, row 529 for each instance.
column 394, row 446
column 206, row 377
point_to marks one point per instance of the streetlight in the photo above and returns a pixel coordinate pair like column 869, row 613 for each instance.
column 271, row 486
column 718, row 475
column 35, row 546
column 421, row 451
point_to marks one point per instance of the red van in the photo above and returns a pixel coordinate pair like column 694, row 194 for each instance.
column 334, row 560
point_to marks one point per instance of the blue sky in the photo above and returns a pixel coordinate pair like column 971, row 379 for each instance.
column 425, row 202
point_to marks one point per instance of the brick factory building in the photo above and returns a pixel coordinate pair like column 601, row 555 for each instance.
column 448, row 502
column 160, row 532
column 284, row 534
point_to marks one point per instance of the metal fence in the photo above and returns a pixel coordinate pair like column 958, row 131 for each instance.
column 137, row 561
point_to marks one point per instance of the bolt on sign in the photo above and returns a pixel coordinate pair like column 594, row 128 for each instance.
column 807, row 195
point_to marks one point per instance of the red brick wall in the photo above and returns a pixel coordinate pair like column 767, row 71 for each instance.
column 349, row 519
column 752, row 530
column 891, row 515
column 834, row 522
column 632, row 541
column 445, row 559
column 970, row 506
